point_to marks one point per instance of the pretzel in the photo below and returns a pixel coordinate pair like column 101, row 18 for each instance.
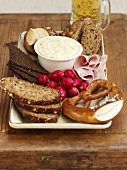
column 100, row 113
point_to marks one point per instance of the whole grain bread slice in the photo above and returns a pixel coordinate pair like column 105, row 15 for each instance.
column 38, row 117
column 19, row 58
column 29, row 93
column 91, row 39
column 48, row 109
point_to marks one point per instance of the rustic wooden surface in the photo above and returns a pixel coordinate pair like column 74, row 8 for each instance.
column 65, row 149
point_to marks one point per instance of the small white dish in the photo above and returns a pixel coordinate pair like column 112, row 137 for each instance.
column 57, row 52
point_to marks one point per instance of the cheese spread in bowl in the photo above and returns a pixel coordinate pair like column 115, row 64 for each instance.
column 57, row 52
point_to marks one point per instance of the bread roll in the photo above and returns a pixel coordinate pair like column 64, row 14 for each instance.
column 31, row 37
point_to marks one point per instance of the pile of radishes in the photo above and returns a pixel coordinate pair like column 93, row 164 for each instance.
column 67, row 83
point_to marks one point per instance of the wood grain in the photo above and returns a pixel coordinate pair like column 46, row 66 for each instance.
column 64, row 149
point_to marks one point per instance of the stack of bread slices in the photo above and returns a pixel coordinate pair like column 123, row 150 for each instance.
column 23, row 66
column 36, row 102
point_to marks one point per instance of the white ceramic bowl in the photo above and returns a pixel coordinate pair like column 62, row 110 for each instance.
column 57, row 52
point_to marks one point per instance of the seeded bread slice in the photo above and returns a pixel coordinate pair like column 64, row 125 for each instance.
column 29, row 93
column 91, row 39
column 38, row 117
column 52, row 108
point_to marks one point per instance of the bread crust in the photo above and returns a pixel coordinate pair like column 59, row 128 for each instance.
column 29, row 48
column 48, row 109
column 40, row 117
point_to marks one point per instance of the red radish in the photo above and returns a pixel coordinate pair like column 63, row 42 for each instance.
column 73, row 91
column 42, row 80
column 67, row 82
column 52, row 84
column 83, row 86
column 69, row 73
column 62, row 91
column 77, row 82
column 49, row 76
column 57, row 75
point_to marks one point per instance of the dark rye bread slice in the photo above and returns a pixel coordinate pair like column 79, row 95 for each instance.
column 52, row 108
column 24, row 70
column 40, row 117
column 19, row 58
column 23, row 75
column 29, row 93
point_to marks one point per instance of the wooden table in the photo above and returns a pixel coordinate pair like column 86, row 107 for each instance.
column 65, row 149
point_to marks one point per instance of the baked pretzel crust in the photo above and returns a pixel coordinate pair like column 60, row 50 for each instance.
column 96, row 89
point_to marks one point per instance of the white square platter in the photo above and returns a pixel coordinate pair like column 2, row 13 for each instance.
column 17, row 121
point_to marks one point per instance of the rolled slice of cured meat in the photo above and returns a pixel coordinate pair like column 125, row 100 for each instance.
column 91, row 67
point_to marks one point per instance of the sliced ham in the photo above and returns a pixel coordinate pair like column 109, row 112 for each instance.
column 93, row 60
column 80, row 61
column 91, row 67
